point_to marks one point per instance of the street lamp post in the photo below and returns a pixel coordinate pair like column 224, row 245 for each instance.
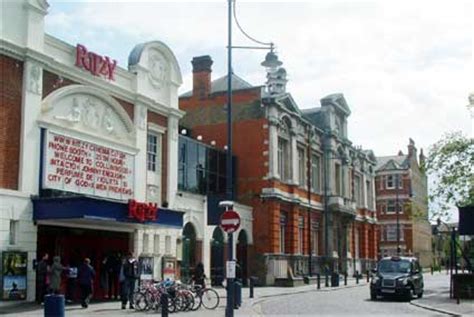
column 271, row 62
column 310, row 251
column 397, row 186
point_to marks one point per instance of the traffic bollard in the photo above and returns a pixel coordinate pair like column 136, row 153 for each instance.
column 251, row 287
column 345, row 278
column 432, row 270
column 368, row 276
column 318, row 280
column 357, row 277
column 326, row 282
column 164, row 304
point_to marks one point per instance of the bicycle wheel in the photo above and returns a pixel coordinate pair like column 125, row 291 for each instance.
column 209, row 298
column 141, row 301
column 197, row 301
column 189, row 300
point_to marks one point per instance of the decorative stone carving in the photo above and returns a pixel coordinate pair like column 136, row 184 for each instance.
column 158, row 69
column 87, row 113
column 34, row 78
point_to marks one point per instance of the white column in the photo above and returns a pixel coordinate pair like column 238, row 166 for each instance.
column 172, row 168
column 364, row 190
column 273, row 150
column 30, row 132
column 140, row 120
column 294, row 159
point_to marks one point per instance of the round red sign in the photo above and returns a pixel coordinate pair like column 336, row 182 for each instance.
column 230, row 221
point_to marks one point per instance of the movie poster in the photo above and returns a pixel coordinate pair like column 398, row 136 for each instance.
column 146, row 268
column 14, row 265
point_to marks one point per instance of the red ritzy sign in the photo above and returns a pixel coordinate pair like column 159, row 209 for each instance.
column 96, row 64
column 142, row 211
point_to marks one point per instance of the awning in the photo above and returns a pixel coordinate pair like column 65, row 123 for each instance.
column 84, row 207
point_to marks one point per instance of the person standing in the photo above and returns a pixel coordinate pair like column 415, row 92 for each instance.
column 71, row 282
column 130, row 272
column 42, row 279
column 56, row 270
column 85, row 278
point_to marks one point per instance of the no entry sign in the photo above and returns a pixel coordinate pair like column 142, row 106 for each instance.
column 230, row 221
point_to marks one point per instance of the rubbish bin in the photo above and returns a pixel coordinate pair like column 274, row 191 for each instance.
column 334, row 279
column 237, row 294
column 54, row 305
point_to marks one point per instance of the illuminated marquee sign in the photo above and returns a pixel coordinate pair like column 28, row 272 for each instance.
column 78, row 166
column 96, row 64
column 142, row 211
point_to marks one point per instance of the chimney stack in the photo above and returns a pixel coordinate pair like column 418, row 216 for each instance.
column 411, row 149
column 202, row 76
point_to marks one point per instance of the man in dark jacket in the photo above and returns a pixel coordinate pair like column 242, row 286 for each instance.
column 130, row 272
column 85, row 278
column 42, row 279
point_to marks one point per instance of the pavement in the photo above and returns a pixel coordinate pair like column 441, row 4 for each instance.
column 436, row 299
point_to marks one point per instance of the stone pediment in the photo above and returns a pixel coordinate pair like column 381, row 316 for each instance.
column 89, row 111
column 289, row 104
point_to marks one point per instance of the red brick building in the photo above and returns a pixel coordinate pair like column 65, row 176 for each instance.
column 402, row 193
column 272, row 141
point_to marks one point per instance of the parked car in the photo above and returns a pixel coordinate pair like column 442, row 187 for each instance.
column 397, row 276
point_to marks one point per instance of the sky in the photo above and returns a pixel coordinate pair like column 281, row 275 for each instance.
column 405, row 67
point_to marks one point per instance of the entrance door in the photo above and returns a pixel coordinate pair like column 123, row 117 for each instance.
column 242, row 257
column 217, row 257
column 188, row 262
column 75, row 244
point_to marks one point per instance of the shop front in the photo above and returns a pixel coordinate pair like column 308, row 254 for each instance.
column 76, row 227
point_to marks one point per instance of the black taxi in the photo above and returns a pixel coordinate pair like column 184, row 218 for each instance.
column 397, row 276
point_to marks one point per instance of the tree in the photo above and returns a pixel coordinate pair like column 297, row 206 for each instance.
column 450, row 162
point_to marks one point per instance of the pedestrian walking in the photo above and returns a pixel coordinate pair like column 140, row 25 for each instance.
column 130, row 272
column 199, row 276
column 85, row 278
column 71, row 282
column 42, row 278
column 56, row 271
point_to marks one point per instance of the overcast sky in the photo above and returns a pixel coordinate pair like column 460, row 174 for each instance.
column 405, row 67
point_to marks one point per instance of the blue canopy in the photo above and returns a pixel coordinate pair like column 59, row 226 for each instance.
column 84, row 207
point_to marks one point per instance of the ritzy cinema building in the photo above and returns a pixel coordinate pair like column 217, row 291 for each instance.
column 85, row 151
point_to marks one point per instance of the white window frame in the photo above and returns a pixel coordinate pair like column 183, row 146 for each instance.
column 315, row 173
column 284, row 159
column 390, row 179
column 391, row 231
column 152, row 165
column 338, row 179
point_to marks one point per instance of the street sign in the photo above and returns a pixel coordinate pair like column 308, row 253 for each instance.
column 230, row 269
column 230, row 221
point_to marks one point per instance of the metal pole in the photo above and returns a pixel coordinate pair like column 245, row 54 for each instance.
column 310, row 251
column 398, row 216
column 326, row 211
column 229, row 312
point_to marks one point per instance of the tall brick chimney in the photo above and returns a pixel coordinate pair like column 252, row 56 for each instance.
column 202, row 76
column 412, row 149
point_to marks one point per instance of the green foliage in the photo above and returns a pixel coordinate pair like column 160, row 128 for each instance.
column 450, row 162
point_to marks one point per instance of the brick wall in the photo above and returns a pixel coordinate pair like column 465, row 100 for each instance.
column 11, row 79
